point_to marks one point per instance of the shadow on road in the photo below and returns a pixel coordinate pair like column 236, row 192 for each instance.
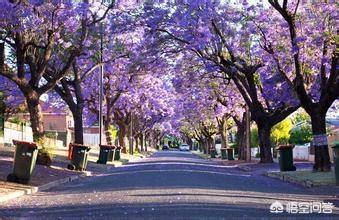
column 147, row 211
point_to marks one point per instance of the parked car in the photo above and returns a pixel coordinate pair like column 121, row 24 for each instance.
column 184, row 147
column 165, row 147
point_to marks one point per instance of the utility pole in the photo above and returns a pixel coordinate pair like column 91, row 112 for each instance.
column 101, row 79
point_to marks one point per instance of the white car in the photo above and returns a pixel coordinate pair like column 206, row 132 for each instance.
column 184, row 147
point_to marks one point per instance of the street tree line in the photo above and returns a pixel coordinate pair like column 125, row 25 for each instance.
column 57, row 48
column 182, row 68
column 280, row 56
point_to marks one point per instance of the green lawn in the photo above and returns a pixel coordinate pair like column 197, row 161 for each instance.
column 307, row 176
column 201, row 155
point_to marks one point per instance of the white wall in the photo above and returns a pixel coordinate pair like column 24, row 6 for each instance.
column 301, row 152
column 17, row 132
column 14, row 131
column 91, row 139
column 254, row 151
column 217, row 148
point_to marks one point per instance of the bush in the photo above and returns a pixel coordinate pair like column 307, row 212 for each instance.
column 280, row 133
column 254, row 137
column 44, row 158
column 51, row 135
column 16, row 120
column 45, row 154
column 301, row 135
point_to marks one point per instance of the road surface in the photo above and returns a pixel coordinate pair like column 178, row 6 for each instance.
column 168, row 185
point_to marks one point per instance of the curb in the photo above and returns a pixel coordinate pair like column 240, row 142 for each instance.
column 124, row 162
column 245, row 168
column 277, row 175
column 14, row 195
column 107, row 166
column 35, row 189
column 201, row 156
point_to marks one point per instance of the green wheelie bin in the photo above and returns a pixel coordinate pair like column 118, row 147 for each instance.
column 117, row 153
column 111, row 153
column 79, row 157
column 24, row 161
column 336, row 161
column 213, row 152
column 105, row 153
column 223, row 153
column 230, row 153
column 286, row 157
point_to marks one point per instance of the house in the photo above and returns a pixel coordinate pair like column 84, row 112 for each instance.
column 57, row 122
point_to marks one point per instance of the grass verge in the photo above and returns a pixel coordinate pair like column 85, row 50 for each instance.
column 201, row 155
column 307, row 178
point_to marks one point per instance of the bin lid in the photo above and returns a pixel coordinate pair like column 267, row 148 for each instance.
column 79, row 145
column 285, row 146
column 107, row 146
column 336, row 144
column 26, row 143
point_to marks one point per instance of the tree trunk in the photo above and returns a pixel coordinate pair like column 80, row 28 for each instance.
column 108, row 121
column 200, row 147
column 222, row 126
column 130, row 137
column 78, row 126
column 121, row 137
column 223, row 135
column 146, row 140
column 211, row 143
column 137, row 144
column 108, row 133
column 75, row 103
column 206, row 146
column 189, row 142
column 241, row 146
column 35, row 113
column 142, row 142
column 321, row 157
column 264, row 132
column 241, row 125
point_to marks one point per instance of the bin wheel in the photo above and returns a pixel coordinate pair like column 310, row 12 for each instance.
column 23, row 181
column 294, row 168
column 70, row 167
column 12, row 178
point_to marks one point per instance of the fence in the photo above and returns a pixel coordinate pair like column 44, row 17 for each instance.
column 91, row 139
column 332, row 139
column 22, row 132
column 16, row 131
column 301, row 152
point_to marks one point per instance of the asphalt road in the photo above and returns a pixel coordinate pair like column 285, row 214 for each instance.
column 168, row 185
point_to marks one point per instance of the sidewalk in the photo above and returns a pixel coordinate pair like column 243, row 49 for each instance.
column 241, row 164
column 306, row 178
column 44, row 177
column 61, row 155
column 302, row 176
column 254, row 165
